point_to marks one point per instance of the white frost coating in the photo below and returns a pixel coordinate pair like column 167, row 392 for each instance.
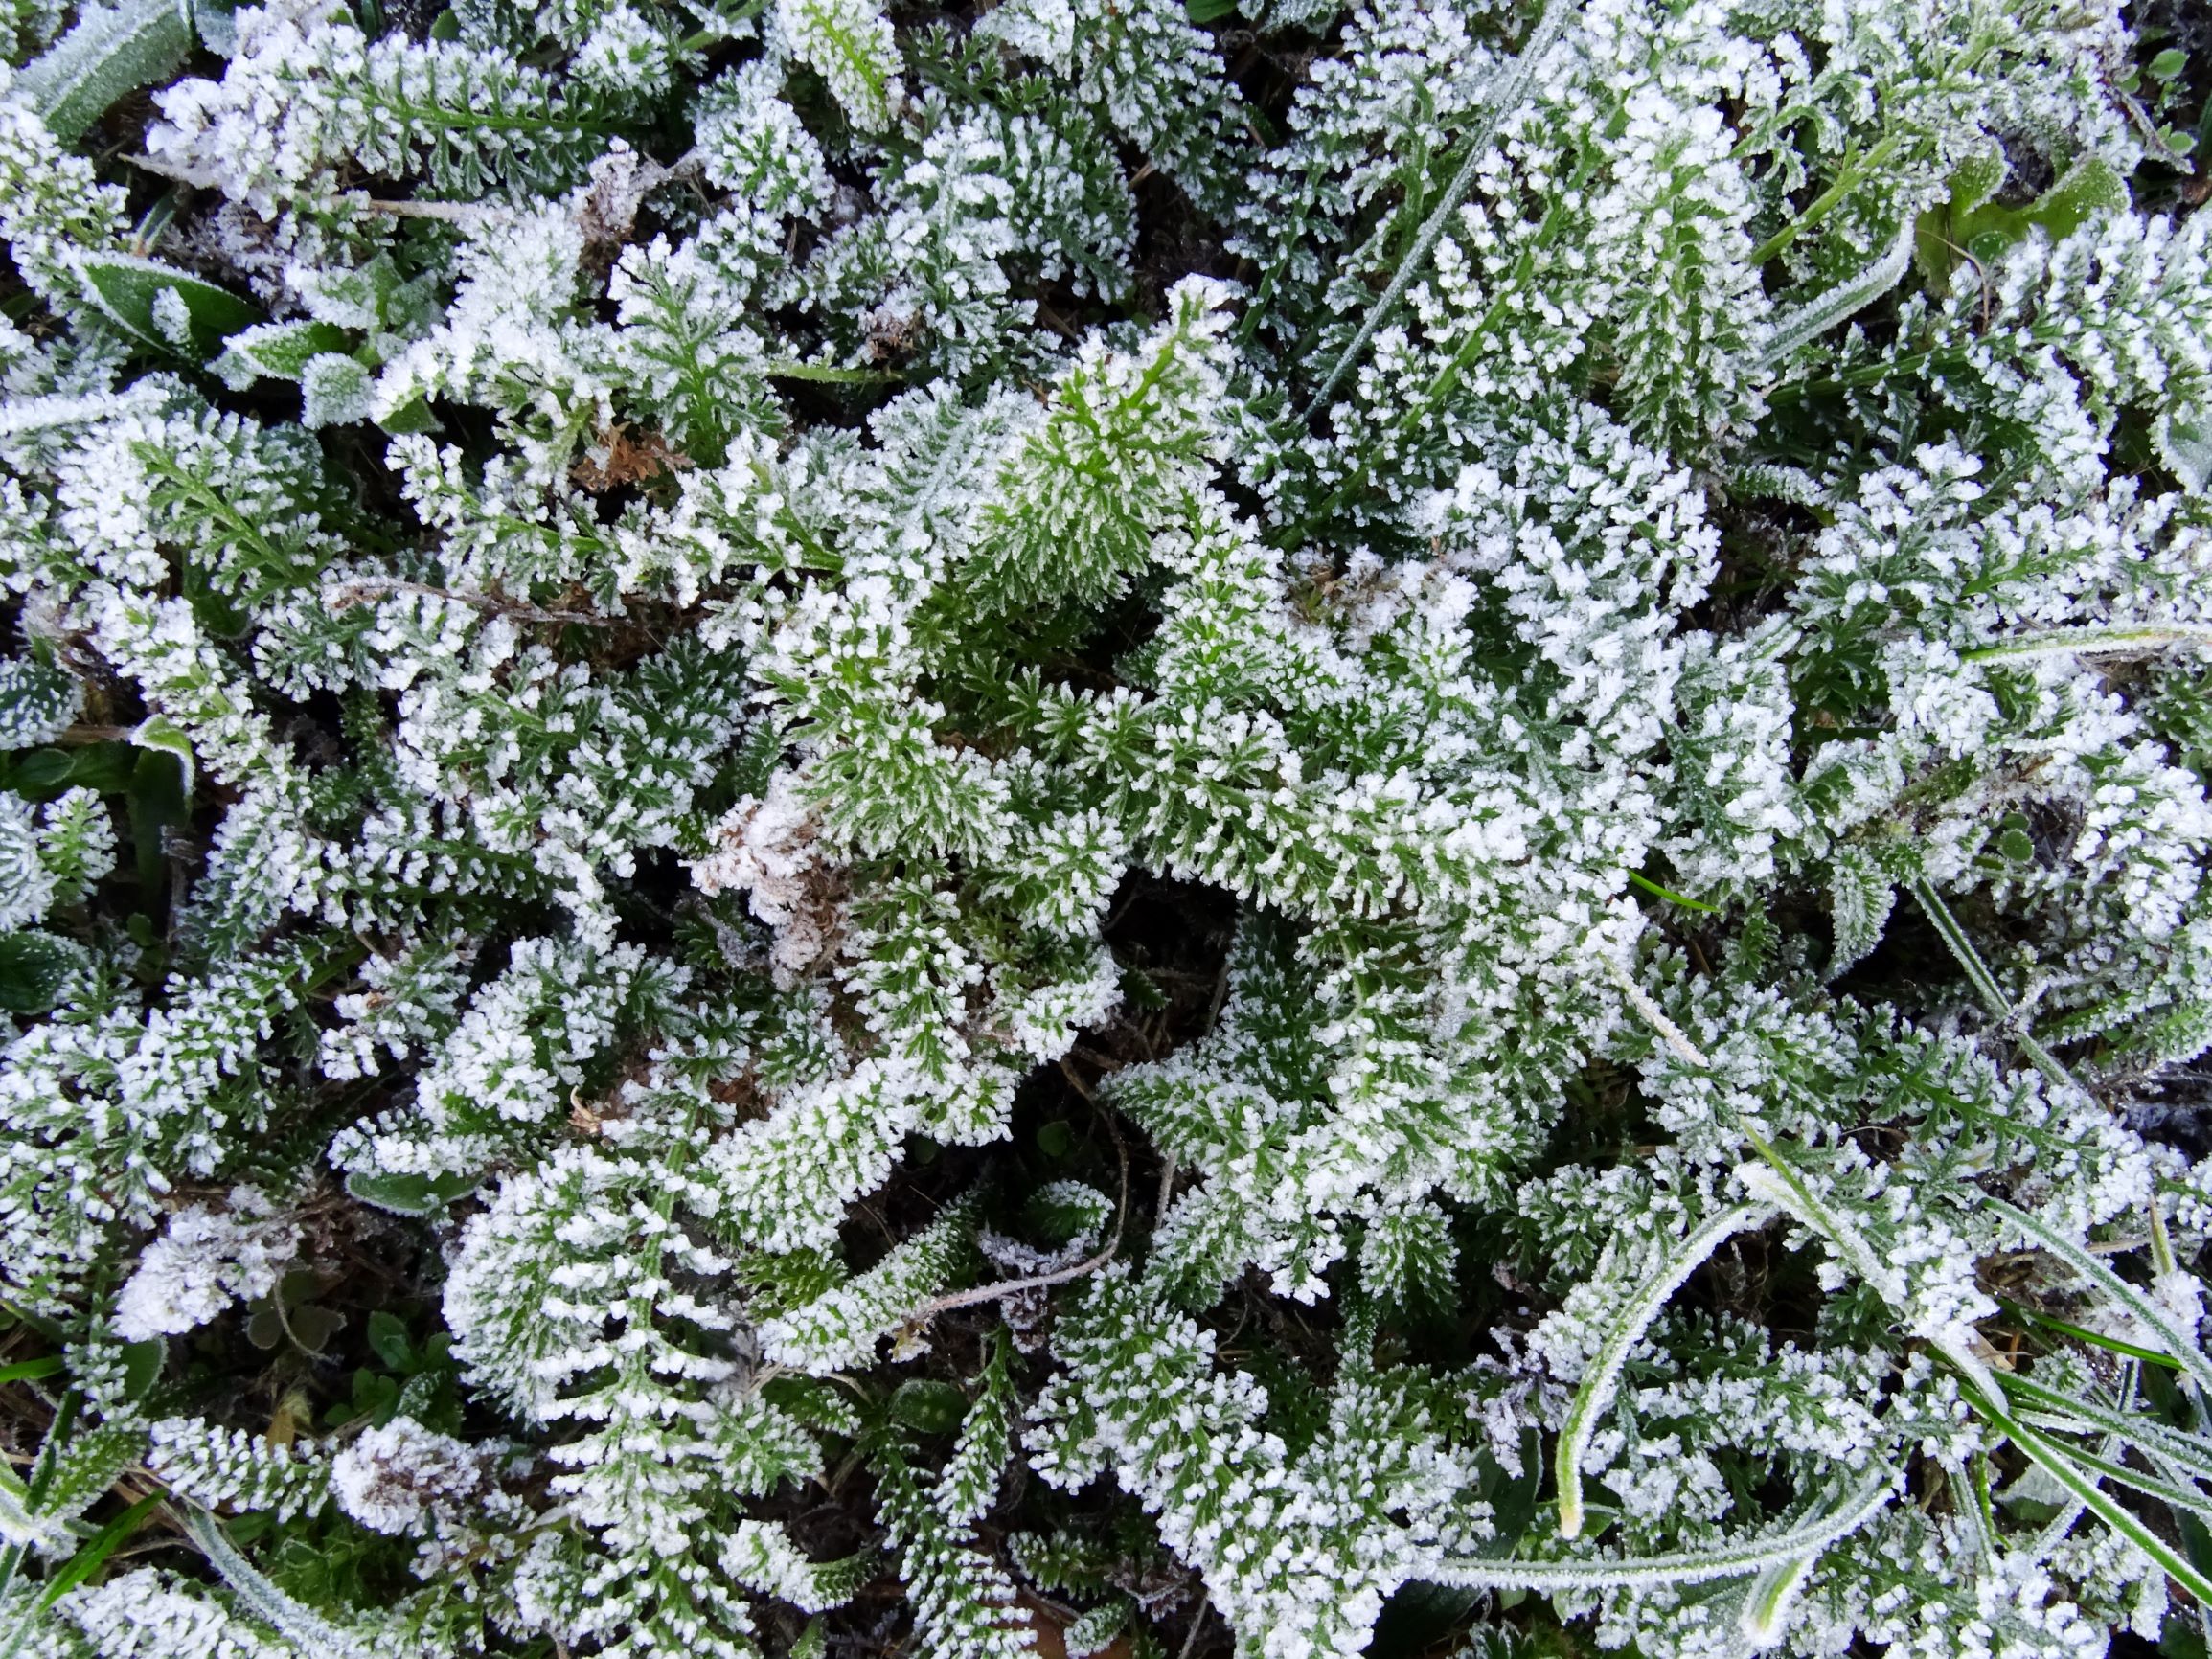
column 203, row 1260
column 402, row 1477
column 807, row 465
column 767, row 848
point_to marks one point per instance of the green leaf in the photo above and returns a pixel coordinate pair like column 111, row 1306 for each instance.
column 36, row 700
column 167, row 309
column 1096, row 1629
column 1970, row 224
column 2184, row 441
column 314, row 1324
column 928, row 1407
column 1205, row 12
column 388, row 1339
column 1860, row 899
column 142, row 1363
column 104, row 768
column 159, row 797
column 412, row 415
column 87, row 1560
column 38, row 774
column 1067, row 1210
column 34, row 968
column 280, row 350
column 2168, row 63
column 334, row 391
column 1142, row 989
column 410, row 1194
column 164, row 737
column 112, row 51
column 303, row 1626
column 216, row 21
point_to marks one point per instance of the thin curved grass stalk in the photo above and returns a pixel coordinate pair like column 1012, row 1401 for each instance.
column 1775, row 1182
column 2173, row 1495
column 1985, row 986
column 2152, row 1438
column 301, row 1626
column 1978, row 1513
column 1504, row 98
column 2054, row 1531
column 2094, row 1338
column 1600, row 1378
column 1653, row 1016
column 2162, row 1259
column 1766, row 1605
column 1801, row 324
column 1778, row 1182
column 2053, row 1458
column 1687, row 1567
column 2090, row 642
column 2063, row 1422
column 2155, row 1318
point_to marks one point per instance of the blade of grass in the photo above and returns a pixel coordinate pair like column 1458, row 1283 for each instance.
column 105, row 1543
column 2190, row 1357
column 1984, row 983
column 2053, row 1458
column 1728, row 1561
column 1602, row 1374
column 1672, row 897
column 2095, row 1339
column 1503, row 98
column 2064, row 1414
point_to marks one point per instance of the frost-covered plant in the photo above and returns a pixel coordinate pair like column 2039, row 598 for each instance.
column 830, row 828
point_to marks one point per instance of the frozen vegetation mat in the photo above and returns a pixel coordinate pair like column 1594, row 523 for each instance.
column 1105, row 828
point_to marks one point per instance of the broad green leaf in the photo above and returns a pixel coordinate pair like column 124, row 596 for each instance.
column 111, row 51
column 410, row 1194
column 167, row 309
column 388, row 1339
column 334, row 391
column 928, row 1407
column 166, row 736
column 34, row 968
column 281, row 351
column 1973, row 226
